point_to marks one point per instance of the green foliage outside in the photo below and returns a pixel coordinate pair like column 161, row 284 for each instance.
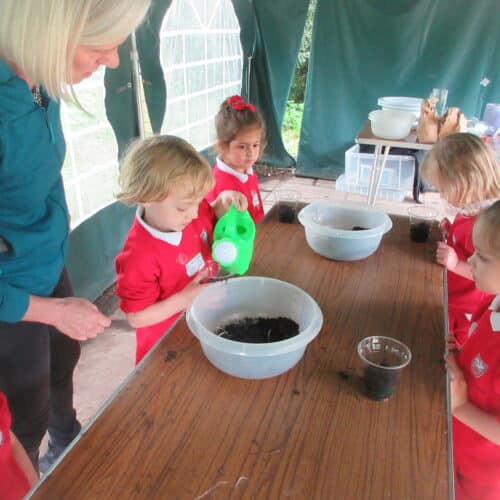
column 291, row 126
column 299, row 82
column 295, row 107
column 293, row 115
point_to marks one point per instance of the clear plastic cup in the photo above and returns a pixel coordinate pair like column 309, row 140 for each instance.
column 421, row 221
column 441, row 95
column 383, row 359
column 287, row 201
column 491, row 116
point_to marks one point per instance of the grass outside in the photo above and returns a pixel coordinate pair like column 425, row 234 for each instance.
column 290, row 129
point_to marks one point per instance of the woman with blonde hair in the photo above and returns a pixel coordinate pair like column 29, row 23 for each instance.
column 46, row 46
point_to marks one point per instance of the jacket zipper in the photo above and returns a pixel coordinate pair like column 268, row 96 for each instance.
column 49, row 126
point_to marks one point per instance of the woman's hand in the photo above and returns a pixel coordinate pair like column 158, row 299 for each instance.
column 79, row 318
column 446, row 256
column 222, row 203
column 458, row 385
column 76, row 318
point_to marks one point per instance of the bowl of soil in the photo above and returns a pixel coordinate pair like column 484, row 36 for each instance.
column 254, row 327
column 343, row 230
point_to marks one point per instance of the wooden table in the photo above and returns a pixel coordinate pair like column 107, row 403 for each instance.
column 381, row 152
column 180, row 429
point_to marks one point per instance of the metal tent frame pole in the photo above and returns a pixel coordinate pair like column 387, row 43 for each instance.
column 136, row 86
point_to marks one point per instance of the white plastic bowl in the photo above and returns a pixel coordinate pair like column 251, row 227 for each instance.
column 328, row 227
column 250, row 296
column 391, row 123
column 411, row 104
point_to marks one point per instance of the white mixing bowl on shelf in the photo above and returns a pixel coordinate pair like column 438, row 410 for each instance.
column 391, row 124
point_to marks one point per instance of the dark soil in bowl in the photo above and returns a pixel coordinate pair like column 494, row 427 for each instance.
column 259, row 330
column 359, row 228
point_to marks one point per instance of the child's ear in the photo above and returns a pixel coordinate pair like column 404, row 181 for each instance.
column 222, row 147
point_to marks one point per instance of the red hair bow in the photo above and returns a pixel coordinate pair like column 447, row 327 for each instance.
column 238, row 103
column 234, row 99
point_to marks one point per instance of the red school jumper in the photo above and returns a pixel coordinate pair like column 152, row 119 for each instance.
column 154, row 265
column 13, row 482
column 226, row 178
column 477, row 459
column 463, row 296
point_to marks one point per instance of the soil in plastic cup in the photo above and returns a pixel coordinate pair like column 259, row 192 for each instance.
column 421, row 220
column 383, row 359
column 287, row 200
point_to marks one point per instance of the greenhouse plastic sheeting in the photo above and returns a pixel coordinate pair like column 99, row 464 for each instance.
column 270, row 34
column 365, row 49
column 120, row 99
column 94, row 243
column 93, row 246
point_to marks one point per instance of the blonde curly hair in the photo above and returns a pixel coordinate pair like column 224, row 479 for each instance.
column 464, row 169
column 155, row 166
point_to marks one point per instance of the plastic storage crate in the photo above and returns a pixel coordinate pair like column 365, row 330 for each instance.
column 383, row 194
column 397, row 178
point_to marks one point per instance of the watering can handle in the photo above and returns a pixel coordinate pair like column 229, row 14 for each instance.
column 230, row 218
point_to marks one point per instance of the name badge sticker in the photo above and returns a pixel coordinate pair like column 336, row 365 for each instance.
column 255, row 199
column 195, row 265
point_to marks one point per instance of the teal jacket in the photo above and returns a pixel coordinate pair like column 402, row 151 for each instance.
column 34, row 218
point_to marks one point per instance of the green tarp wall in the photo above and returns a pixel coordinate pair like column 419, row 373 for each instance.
column 271, row 33
column 365, row 49
column 361, row 50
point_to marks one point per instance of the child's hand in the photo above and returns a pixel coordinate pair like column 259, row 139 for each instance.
column 458, row 385
column 195, row 286
column 444, row 226
column 451, row 344
column 446, row 256
column 175, row 303
column 223, row 202
column 211, row 267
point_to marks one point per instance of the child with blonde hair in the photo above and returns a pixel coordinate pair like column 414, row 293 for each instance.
column 475, row 374
column 240, row 141
column 166, row 256
column 466, row 173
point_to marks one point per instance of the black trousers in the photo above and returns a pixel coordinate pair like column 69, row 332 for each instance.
column 36, row 374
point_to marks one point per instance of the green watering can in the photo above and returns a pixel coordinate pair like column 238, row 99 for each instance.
column 234, row 235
